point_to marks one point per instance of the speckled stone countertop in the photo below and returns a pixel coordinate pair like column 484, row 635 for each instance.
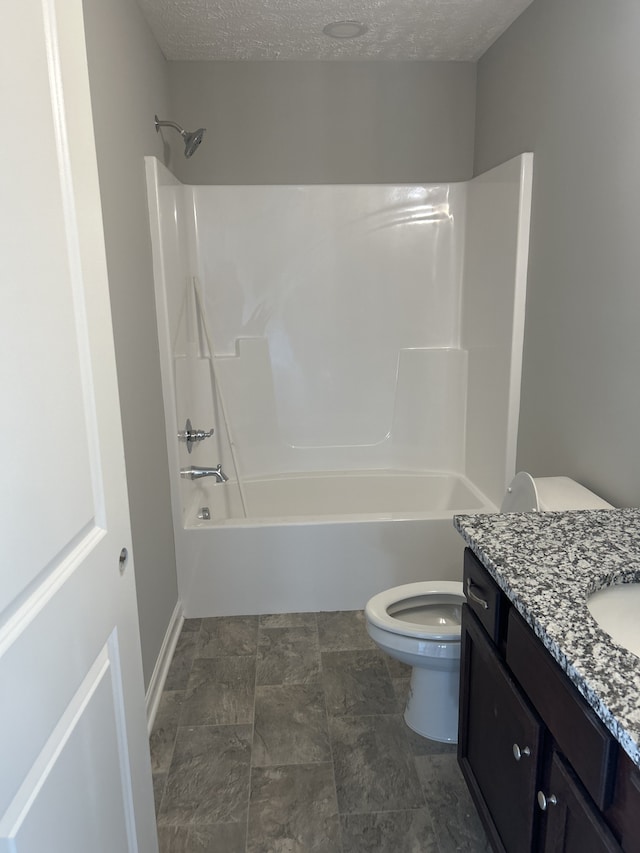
column 548, row 564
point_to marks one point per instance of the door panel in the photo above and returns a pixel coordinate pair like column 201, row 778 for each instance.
column 75, row 763
column 44, row 430
column 78, row 759
column 573, row 823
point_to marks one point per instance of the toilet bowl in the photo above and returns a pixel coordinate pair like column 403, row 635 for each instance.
column 419, row 623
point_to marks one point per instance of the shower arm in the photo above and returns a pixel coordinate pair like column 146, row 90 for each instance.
column 191, row 140
column 173, row 124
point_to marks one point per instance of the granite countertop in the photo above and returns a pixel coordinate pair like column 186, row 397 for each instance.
column 548, row 563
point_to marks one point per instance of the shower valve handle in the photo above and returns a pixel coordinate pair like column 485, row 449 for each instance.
column 191, row 435
column 200, row 434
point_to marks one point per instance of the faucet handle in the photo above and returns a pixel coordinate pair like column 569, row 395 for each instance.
column 200, row 434
column 191, row 435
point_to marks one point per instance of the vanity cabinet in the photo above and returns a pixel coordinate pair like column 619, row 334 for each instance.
column 500, row 750
column 544, row 773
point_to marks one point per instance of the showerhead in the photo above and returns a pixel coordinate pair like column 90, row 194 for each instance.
column 191, row 140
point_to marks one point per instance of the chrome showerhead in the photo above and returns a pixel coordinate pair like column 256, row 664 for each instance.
column 191, row 140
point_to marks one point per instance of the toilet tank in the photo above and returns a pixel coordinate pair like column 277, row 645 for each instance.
column 549, row 494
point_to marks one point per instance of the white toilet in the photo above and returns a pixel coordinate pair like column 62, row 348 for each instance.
column 419, row 623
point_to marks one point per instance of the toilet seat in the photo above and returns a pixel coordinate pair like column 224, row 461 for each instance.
column 439, row 593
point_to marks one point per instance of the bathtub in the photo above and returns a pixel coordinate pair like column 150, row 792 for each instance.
column 324, row 541
column 336, row 327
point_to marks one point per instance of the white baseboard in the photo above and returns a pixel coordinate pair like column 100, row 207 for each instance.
column 159, row 676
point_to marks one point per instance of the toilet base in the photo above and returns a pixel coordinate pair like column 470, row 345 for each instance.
column 432, row 707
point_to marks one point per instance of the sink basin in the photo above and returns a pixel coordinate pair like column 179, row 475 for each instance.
column 616, row 609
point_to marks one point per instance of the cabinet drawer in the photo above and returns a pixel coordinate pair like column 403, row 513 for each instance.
column 484, row 597
column 580, row 735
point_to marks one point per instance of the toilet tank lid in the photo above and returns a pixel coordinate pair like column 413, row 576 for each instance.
column 549, row 494
column 558, row 493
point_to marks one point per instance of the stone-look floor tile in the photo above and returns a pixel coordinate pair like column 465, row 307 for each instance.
column 208, row 781
column 420, row 745
column 191, row 624
column 397, row 669
column 357, row 683
column 159, row 781
column 289, row 620
column 288, row 656
column 164, row 730
column 228, row 635
column 183, row 657
column 454, row 815
column 217, row 838
column 343, row 630
column 290, row 725
column 219, row 692
column 173, row 839
column 374, row 767
column 389, row 832
column 401, row 689
column 293, row 808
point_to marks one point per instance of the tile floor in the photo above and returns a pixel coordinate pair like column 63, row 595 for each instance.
column 284, row 734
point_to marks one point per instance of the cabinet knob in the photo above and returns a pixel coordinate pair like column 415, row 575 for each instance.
column 543, row 801
column 518, row 753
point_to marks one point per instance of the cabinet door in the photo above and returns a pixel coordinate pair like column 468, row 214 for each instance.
column 499, row 743
column 573, row 823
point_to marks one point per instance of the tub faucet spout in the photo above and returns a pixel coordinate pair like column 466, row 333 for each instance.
column 196, row 473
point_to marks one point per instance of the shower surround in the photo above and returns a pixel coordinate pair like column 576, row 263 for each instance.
column 358, row 351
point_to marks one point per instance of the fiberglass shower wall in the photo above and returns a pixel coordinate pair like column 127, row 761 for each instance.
column 334, row 313
column 189, row 387
column 354, row 327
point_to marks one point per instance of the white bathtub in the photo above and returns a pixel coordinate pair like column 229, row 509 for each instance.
column 320, row 541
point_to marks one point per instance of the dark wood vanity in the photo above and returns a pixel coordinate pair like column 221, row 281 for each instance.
column 543, row 770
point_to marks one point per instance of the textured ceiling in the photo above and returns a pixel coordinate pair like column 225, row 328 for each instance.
column 292, row 29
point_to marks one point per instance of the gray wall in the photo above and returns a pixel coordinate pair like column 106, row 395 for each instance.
column 324, row 122
column 564, row 82
column 128, row 77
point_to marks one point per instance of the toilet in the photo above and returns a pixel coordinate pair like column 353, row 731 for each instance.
column 419, row 623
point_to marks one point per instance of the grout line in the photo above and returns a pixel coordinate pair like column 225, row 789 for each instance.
column 214, row 725
column 427, row 805
column 164, row 788
column 388, row 811
column 363, row 716
column 175, row 737
column 333, row 764
column 253, row 735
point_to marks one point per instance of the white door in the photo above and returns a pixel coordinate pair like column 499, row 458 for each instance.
column 74, row 766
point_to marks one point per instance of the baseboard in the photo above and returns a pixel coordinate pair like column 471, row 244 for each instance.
column 159, row 676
